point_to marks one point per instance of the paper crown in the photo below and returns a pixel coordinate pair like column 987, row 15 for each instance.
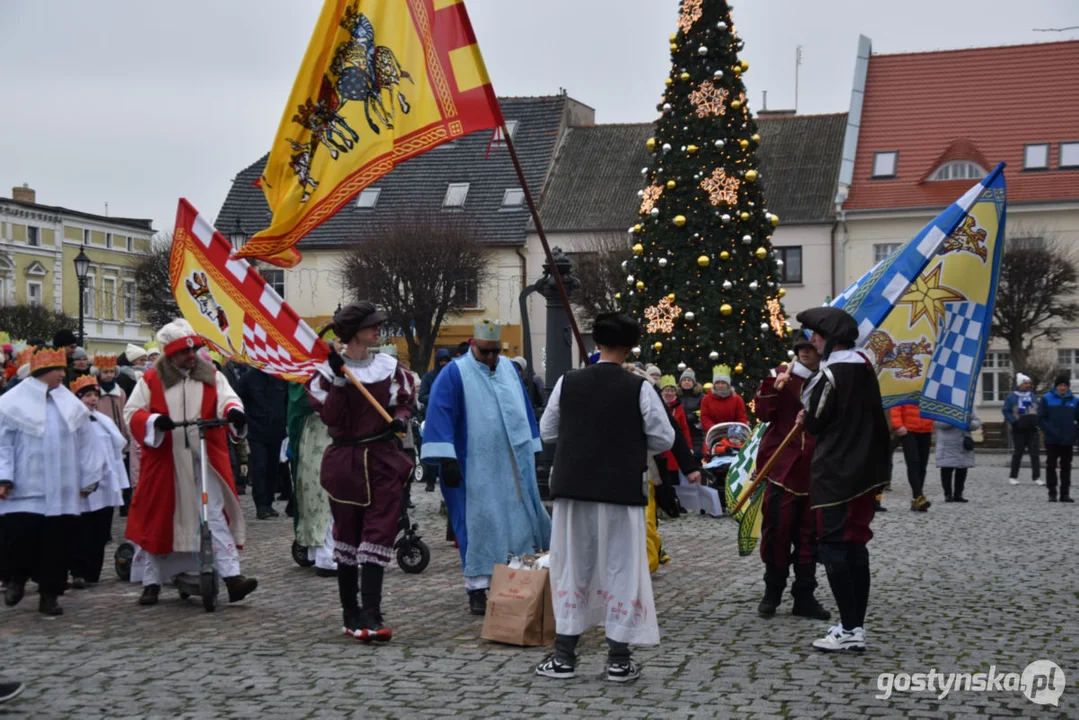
column 721, row 373
column 24, row 356
column 152, row 346
column 47, row 358
column 487, row 330
column 84, row 382
column 667, row 381
column 217, row 357
column 105, row 362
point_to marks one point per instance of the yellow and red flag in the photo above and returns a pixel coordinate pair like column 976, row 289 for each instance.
column 381, row 82
column 229, row 304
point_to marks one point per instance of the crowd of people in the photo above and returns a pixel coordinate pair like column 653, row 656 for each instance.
column 81, row 437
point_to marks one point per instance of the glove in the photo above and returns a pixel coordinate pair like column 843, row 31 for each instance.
column 164, row 423
column 236, row 417
column 399, row 427
column 451, row 473
column 336, row 362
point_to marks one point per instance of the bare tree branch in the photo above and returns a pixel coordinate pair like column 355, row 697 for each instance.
column 420, row 270
column 598, row 265
column 1036, row 294
column 154, row 285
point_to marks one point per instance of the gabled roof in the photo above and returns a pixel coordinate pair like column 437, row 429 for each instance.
column 980, row 104
column 598, row 172
column 419, row 185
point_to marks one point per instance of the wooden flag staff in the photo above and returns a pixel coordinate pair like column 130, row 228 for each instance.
column 765, row 470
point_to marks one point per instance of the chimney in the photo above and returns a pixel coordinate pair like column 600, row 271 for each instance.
column 24, row 194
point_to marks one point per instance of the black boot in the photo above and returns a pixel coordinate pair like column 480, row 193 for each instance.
column 477, row 602
column 960, row 485
column 372, row 627
column 947, row 483
column 348, row 588
column 805, row 604
column 775, row 579
column 47, row 605
column 149, row 595
column 240, row 587
column 14, row 592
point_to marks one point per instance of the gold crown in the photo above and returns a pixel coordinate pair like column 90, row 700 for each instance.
column 46, row 358
column 105, row 362
column 84, row 381
column 23, row 358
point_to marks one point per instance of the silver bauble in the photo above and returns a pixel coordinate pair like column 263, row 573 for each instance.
column 663, row 262
column 718, row 74
column 720, row 143
column 725, row 218
column 644, row 171
column 625, row 265
column 702, row 51
column 637, row 351
column 721, row 25
column 747, row 239
column 681, row 367
column 727, row 284
column 689, row 316
column 765, row 326
column 630, row 280
column 666, row 147
column 666, row 107
column 654, row 212
column 753, row 285
column 713, row 356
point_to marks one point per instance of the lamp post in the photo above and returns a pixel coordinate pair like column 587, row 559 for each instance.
column 238, row 236
column 82, row 267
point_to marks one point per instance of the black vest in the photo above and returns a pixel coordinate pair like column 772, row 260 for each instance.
column 602, row 452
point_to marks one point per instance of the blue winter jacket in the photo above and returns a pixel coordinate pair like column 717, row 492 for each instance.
column 1057, row 416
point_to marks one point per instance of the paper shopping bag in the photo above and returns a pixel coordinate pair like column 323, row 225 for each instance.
column 519, row 607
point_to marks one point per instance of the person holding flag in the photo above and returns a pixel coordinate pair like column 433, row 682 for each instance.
column 788, row 531
column 842, row 409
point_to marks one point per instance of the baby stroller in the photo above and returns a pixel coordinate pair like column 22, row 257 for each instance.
column 723, row 442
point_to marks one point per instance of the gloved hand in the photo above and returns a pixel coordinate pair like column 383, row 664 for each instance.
column 336, row 362
column 236, row 417
column 451, row 473
column 164, row 423
column 399, row 426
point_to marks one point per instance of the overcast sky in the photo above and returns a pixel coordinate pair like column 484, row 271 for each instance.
column 139, row 102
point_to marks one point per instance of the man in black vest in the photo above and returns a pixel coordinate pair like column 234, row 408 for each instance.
column 851, row 462
column 607, row 422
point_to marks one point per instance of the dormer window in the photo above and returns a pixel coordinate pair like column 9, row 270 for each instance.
column 368, row 197
column 455, row 195
column 1036, row 156
column 958, row 170
column 1069, row 155
column 511, row 126
column 512, row 198
column 884, row 163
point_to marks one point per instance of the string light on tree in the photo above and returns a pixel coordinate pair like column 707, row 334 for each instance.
column 661, row 316
column 720, row 188
column 648, row 198
column 710, row 101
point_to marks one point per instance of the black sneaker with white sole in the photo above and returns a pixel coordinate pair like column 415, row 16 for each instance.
column 621, row 672
column 554, row 669
column 9, row 690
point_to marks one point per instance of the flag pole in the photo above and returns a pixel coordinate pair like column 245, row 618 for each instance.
column 546, row 246
column 765, row 470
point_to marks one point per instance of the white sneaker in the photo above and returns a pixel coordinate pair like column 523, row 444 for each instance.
column 838, row 640
column 1039, row 481
column 1013, row 481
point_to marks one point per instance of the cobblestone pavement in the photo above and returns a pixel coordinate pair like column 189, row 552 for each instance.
column 960, row 588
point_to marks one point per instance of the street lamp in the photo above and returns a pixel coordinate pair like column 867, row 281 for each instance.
column 82, row 268
column 238, row 236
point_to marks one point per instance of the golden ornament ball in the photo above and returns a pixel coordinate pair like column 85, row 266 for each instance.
column 650, row 143
column 751, row 175
column 725, row 309
column 674, row 47
column 679, row 220
column 637, row 228
column 724, row 255
column 618, row 296
column 703, row 261
column 638, row 249
column 673, row 37
column 738, row 369
column 670, row 298
column 657, row 346
column 761, row 253
column 745, row 66
column 692, row 149
column 743, row 143
column 684, row 77
column 782, row 292
column 707, row 387
column 669, row 82
column 744, row 216
column 737, row 69
column 775, row 219
column 735, row 104
column 640, row 285
column 671, row 184
column 755, row 138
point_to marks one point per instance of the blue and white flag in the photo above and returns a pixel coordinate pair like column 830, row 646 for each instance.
column 925, row 311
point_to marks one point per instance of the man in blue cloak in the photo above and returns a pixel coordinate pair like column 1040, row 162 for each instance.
column 481, row 430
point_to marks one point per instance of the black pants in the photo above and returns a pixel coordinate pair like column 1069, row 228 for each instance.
column 1025, row 440
column 87, row 555
column 956, row 490
column 565, row 647
column 262, row 462
column 847, row 566
column 1063, row 453
column 916, row 455
column 36, row 547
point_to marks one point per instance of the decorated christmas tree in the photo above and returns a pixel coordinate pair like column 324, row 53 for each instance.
column 703, row 279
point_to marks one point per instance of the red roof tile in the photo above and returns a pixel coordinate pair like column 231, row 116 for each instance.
column 983, row 105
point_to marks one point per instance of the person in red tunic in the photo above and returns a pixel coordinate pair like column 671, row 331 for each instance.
column 788, row 525
column 163, row 519
column 364, row 469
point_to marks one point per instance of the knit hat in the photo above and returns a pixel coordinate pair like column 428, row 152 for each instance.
column 133, row 352
column 653, row 371
column 63, row 338
column 1062, row 379
column 79, row 354
column 521, row 363
column 1020, row 378
column 667, row 381
column 721, row 373
column 688, row 373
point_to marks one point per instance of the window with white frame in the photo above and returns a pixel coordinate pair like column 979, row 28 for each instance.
column 33, row 292
column 130, row 243
column 368, row 197
column 1069, row 155
column 511, row 127
column 108, row 240
column 996, row 376
column 1068, row 359
column 33, row 236
column 85, row 237
column 881, row 251
column 1036, row 156
column 89, row 297
column 275, row 278
column 791, row 272
column 455, row 195
column 131, row 300
column 108, row 298
column 884, row 163
column 5, row 289
column 958, row 170
column 513, row 197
